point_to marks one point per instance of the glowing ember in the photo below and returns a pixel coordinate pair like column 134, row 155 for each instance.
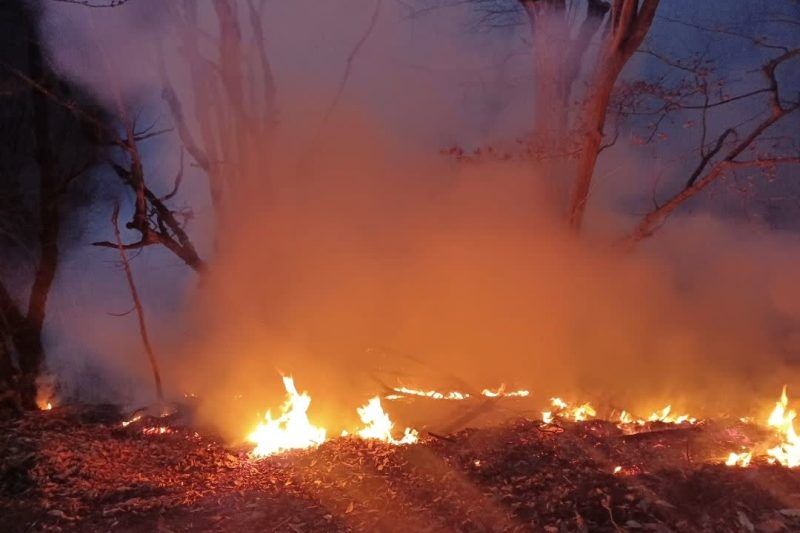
column 787, row 453
column 43, row 404
column 379, row 426
column 156, row 430
column 432, row 394
column 617, row 470
column 136, row 418
column 501, row 393
column 291, row 430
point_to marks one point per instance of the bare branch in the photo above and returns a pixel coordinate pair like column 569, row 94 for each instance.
column 88, row 3
column 137, row 305
column 351, row 58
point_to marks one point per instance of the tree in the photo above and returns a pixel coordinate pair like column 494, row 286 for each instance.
column 580, row 49
column 723, row 153
column 49, row 146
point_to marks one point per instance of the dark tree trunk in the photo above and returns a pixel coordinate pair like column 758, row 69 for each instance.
column 28, row 337
column 11, row 319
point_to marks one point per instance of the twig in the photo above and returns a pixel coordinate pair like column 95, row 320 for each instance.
column 137, row 304
column 441, row 437
column 350, row 59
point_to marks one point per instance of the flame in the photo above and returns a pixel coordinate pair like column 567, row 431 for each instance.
column 291, row 430
column 136, row 418
column 432, row 394
column 377, row 424
column 739, row 459
column 625, row 418
column 617, row 470
column 500, row 392
column 583, row 412
column 561, row 408
column 161, row 430
column 558, row 403
column 662, row 415
column 44, row 404
column 787, row 453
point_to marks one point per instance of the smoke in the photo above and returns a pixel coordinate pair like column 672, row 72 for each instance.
column 376, row 261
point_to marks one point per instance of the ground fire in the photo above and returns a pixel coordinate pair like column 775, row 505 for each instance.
column 360, row 266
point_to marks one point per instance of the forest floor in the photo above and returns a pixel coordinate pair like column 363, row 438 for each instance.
column 77, row 469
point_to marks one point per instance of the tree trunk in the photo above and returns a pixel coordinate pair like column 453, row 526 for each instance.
column 28, row 338
column 594, row 118
column 630, row 22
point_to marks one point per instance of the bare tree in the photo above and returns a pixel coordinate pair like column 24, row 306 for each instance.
column 737, row 147
column 46, row 148
column 580, row 49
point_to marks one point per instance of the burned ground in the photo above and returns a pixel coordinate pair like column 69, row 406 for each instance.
column 76, row 468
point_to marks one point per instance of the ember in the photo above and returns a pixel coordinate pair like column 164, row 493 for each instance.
column 514, row 477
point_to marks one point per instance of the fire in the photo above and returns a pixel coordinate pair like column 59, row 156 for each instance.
column 377, row 424
column 561, row 408
column 291, row 430
column 43, row 404
column 664, row 415
column 739, row 459
column 787, row 453
column 161, row 430
column 126, row 423
column 625, row 418
column 500, row 392
column 432, row 394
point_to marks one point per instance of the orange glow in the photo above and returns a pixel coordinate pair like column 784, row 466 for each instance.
column 562, row 409
column 739, row 459
column 787, row 453
column 291, row 430
column 126, row 423
column 378, row 425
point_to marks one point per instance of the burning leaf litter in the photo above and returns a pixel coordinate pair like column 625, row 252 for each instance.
column 78, row 468
column 291, row 430
column 378, row 425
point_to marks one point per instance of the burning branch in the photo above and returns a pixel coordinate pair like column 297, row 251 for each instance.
column 138, row 305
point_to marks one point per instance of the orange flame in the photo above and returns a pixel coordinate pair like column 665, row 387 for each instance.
column 562, row 409
column 378, row 425
column 291, row 430
column 787, row 453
